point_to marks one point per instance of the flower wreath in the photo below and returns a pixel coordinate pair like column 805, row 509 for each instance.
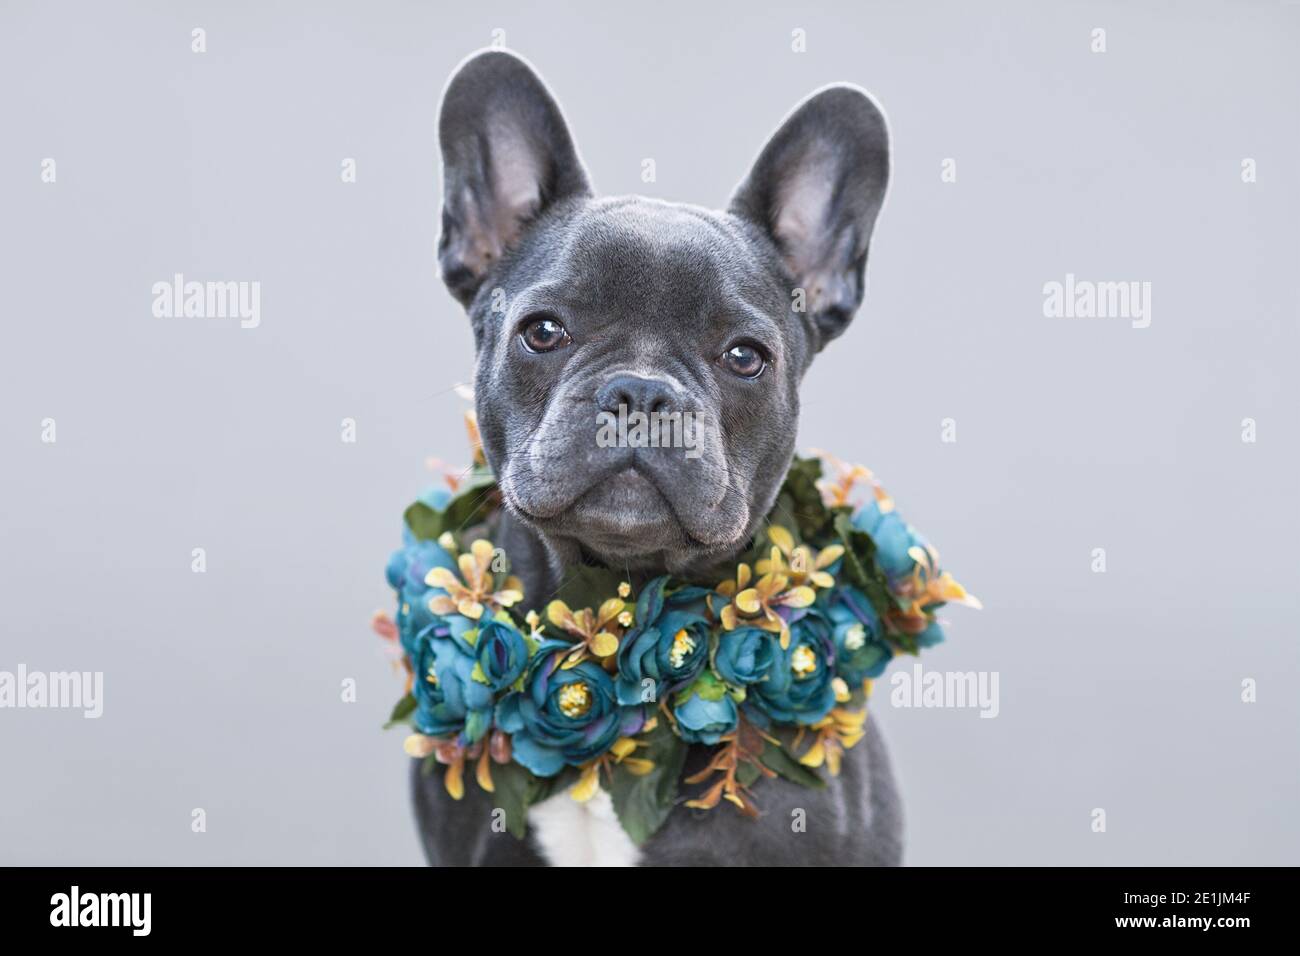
column 771, row 665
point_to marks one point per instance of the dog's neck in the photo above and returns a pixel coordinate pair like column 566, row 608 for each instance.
column 542, row 564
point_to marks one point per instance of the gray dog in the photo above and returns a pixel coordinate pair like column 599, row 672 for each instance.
column 581, row 305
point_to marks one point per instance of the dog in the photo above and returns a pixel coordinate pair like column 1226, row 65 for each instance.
column 582, row 305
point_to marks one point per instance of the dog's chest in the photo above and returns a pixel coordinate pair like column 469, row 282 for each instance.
column 570, row 833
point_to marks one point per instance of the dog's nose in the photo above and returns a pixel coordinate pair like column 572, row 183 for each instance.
column 636, row 393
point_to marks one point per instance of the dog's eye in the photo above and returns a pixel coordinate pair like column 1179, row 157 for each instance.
column 543, row 333
column 743, row 359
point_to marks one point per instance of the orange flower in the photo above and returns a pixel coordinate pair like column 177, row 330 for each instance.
column 839, row 491
column 926, row 587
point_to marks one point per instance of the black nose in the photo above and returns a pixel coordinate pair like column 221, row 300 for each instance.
column 636, row 393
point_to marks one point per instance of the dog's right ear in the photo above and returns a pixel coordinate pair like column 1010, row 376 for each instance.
column 506, row 157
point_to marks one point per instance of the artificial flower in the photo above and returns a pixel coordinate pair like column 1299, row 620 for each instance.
column 669, row 645
column 597, row 631
column 500, row 652
column 765, row 605
column 800, row 563
column 705, row 711
column 406, row 572
column 448, row 700
column 861, row 651
column 799, row 688
column 564, row 715
column 744, row 656
column 478, row 591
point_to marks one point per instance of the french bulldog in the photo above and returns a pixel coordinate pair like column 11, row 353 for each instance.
column 580, row 305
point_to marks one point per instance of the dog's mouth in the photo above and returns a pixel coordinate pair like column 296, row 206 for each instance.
column 627, row 506
column 625, row 514
column 623, row 505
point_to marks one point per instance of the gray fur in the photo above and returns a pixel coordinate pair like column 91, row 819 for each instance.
column 652, row 293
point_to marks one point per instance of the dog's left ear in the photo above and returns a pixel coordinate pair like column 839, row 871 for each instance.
column 506, row 157
column 816, row 188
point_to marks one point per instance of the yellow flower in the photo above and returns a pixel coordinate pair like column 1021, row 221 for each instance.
column 620, row 752
column 799, row 563
column 598, row 631
column 756, row 606
column 477, row 591
column 835, row 733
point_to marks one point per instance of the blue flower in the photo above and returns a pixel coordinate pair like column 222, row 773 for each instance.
column 705, row 711
column 406, row 572
column 563, row 715
column 744, row 655
column 799, row 689
column 860, row 648
column 448, row 700
column 669, row 645
column 501, row 653
column 892, row 536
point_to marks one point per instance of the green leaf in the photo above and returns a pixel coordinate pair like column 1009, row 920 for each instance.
column 706, row 685
column 811, row 516
column 473, row 502
column 643, row 803
column 776, row 758
column 402, row 711
column 425, row 523
column 859, row 565
column 746, row 774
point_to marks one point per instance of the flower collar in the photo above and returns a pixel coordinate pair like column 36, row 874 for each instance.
column 771, row 665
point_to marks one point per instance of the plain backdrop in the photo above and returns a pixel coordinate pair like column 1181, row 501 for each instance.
column 1119, row 690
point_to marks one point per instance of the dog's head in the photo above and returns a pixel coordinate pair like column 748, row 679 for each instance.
column 589, row 311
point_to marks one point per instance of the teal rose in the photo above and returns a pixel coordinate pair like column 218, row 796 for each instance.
column 448, row 699
column 799, row 688
column 705, row 711
column 669, row 645
column 892, row 536
column 563, row 716
column 860, row 648
column 501, row 653
column 744, row 656
column 406, row 570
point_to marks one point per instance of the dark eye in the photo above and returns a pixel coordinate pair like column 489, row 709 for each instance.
column 743, row 359
column 543, row 333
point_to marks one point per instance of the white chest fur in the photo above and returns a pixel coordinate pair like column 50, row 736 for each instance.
column 581, row 834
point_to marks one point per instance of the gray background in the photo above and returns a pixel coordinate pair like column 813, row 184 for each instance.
column 1118, row 690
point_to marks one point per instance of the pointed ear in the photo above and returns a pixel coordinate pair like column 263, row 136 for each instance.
column 506, row 157
column 816, row 189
